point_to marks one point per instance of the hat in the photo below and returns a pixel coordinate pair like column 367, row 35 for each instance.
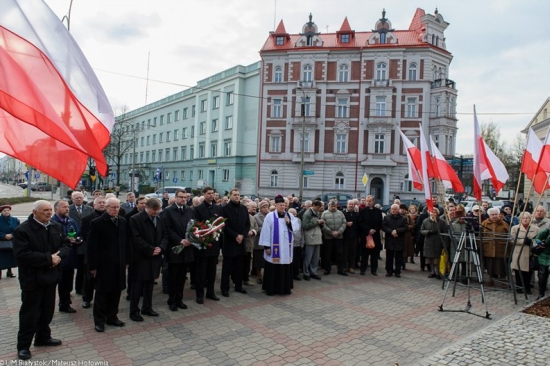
column 3, row 207
column 507, row 205
column 460, row 212
column 476, row 207
column 264, row 203
column 279, row 199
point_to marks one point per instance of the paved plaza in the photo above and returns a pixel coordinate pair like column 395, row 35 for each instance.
column 354, row 320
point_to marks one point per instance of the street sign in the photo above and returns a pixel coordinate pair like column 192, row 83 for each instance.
column 175, row 180
column 27, row 175
column 37, row 175
column 365, row 179
column 309, row 172
column 113, row 175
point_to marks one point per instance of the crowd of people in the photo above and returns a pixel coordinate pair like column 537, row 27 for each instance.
column 103, row 247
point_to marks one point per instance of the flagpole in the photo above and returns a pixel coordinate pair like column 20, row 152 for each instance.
column 516, row 195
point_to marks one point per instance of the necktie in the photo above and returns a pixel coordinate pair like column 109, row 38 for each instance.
column 115, row 220
column 79, row 211
column 154, row 221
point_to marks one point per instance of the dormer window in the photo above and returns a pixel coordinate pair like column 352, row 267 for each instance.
column 382, row 37
column 344, row 38
column 279, row 41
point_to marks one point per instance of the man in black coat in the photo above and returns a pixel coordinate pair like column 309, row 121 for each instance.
column 176, row 217
column 351, row 237
column 369, row 221
column 206, row 260
column 38, row 245
column 77, row 211
column 138, row 207
column 395, row 226
column 107, row 258
column 237, row 227
column 89, row 281
column 149, row 242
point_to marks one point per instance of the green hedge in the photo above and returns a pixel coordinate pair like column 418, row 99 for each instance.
column 15, row 200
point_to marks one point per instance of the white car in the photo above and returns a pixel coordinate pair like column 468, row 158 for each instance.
column 171, row 191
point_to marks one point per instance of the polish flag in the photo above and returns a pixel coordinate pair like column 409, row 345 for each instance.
column 427, row 170
column 444, row 171
column 486, row 164
column 414, row 159
column 531, row 155
column 541, row 181
column 53, row 110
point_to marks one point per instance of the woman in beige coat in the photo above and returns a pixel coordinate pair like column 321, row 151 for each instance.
column 521, row 251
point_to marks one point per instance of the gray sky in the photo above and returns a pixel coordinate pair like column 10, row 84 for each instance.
column 501, row 48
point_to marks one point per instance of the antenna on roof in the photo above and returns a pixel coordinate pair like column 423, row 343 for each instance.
column 274, row 15
column 327, row 28
column 147, row 82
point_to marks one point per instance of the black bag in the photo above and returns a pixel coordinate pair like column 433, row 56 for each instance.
column 6, row 245
column 538, row 249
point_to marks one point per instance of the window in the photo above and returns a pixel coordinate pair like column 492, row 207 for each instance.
column 160, row 156
column 378, row 143
column 184, row 116
column 448, row 106
column 168, row 136
column 182, row 175
column 434, row 73
column 183, row 153
column 344, row 38
column 215, row 125
column 412, row 71
column 213, row 149
column 154, row 139
column 342, row 111
column 161, row 137
column 228, row 122
column 229, row 97
column 216, row 102
column 411, row 108
column 184, row 133
column 277, row 108
column 149, row 123
column 274, row 179
column 201, row 174
column 176, row 115
column 436, row 140
column 176, row 137
column 275, row 144
column 168, row 118
column 306, row 142
column 175, row 156
column 167, row 155
column 450, row 146
column 437, row 107
column 339, row 181
column 162, row 119
column 343, row 74
column 278, row 74
column 202, row 128
column 380, row 106
column 227, row 148
column 141, row 157
column 142, row 141
column 193, row 110
column 306, row 105
column 154, row 121
column 279, row 41
column 341, row 143
column 407, row 184
column 382, row 37
column 305, row 181
column 191, row 175
column 307, row 73
column 153, row 156
column 381, row 71
column 142, row 125
column 191, row 152
column 147, row 156
column 192, row 131
column 201, row 150
column 204, row 104
column 225, row 177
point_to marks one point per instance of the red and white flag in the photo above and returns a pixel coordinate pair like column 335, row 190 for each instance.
column 414, row 160
column 54, row 113
column 531, row 155
column 427, row 170
column 444, row 171
column 486, row 164
column 541, row 181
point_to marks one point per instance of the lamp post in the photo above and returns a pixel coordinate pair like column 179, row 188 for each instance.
column 302, row 144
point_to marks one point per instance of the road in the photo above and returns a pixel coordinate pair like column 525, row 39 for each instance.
column 7, row 191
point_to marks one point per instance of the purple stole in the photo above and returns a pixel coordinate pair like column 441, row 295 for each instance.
column 275, row 247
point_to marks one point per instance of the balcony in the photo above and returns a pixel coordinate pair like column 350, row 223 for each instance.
column 309, row 157
column 306, row 84
column 443, row 83
column 383, row 160
column 310, row 121
column 380, row 121
column 381, row 83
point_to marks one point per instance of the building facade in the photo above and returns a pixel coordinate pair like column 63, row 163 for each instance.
column 205, row 135
column 347, row 94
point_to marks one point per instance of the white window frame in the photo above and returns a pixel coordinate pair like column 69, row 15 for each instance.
column 227, row 148
column 215, row 125
column 275, row 144
column 277, row 108
column 341, row 143
column 342, row 110
column 214, row 149
column 216, row 102
column 379, row 143
column 339, row 181
column 307, row 72
column 229, row 98
column 381, row 71
column 274, row 179
column 343, row 74
column 228, row 122
column 411, row 111
column 380, row 106
column 412, row 71
column 278, row 74
column 201, row 151
column 225, row 176
column 204, row 105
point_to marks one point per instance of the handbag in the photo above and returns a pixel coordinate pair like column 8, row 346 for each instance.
column 370, row 242
column 443, row 262
column 6, row 245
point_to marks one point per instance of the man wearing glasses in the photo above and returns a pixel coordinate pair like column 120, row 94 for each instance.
column 107, row 255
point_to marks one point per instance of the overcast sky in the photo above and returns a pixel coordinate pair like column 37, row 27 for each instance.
column 501, row 48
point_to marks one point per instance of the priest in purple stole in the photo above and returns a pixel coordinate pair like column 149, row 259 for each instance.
column 276, row 237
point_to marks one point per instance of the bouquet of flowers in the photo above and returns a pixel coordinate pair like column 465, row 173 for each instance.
column 203, row 234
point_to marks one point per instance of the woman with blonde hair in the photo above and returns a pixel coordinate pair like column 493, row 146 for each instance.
column 525, row 233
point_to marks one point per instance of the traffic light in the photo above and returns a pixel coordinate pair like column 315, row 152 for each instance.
column 92, row 170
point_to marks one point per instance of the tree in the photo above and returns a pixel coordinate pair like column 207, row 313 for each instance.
column 123, row 138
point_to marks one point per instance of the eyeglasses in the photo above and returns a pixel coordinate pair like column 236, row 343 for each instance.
column 117, row 207
column 476, row 210
column 181, row 197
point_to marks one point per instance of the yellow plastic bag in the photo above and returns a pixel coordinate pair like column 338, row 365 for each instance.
column 443, row 262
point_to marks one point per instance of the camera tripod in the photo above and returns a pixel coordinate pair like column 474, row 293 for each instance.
column 466, row 249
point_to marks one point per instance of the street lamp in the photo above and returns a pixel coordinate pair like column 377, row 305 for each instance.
column 302, row 144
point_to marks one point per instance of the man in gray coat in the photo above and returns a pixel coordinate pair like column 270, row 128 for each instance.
column 333, row 235
column 395, row 227
column 313, row 238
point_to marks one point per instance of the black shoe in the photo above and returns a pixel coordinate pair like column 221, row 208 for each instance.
column 326, row 273
column 315, row 277
column 397, row 275
column 10, row 275
column 99, row 328
column 116, row 323
column 412, row 261
column 78, row 292
column 200, row 300
column 181, row 305
column 173, row 307
column 24, row 354
column 86, row 305
column 342, row 273
column 165, row 292
column 362, row 273
column 388, row 274
column 136, row 317
column 297, row 278
column 149, row 313
column 225, row 293
column 67, row 309
column 213, row 297
column 241, row 290
column 307, row 278
column 432, row 276
column 519, row 291
column 52, row 342
column 539, row 297
column 259, row 281
column 374, row 273
column 128, row 297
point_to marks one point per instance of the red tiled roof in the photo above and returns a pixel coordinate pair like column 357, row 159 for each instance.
column 416, row 23
column 280, row 28
column 345, row 26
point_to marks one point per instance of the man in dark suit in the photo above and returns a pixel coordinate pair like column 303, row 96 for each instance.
column 107, row 258
column 206, row 260
column 369, row 222
column 38, row 245
column 78, row 210
column 140, row 206
column 149, row 241
column 176, row 217
column 89, row 282
column 130, row 202
column 237, row 227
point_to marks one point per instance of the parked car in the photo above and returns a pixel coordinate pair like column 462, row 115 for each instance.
column 468, row 205
column 342, row 198
column 23, row 185
column 41, row 186
column 171, row 191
